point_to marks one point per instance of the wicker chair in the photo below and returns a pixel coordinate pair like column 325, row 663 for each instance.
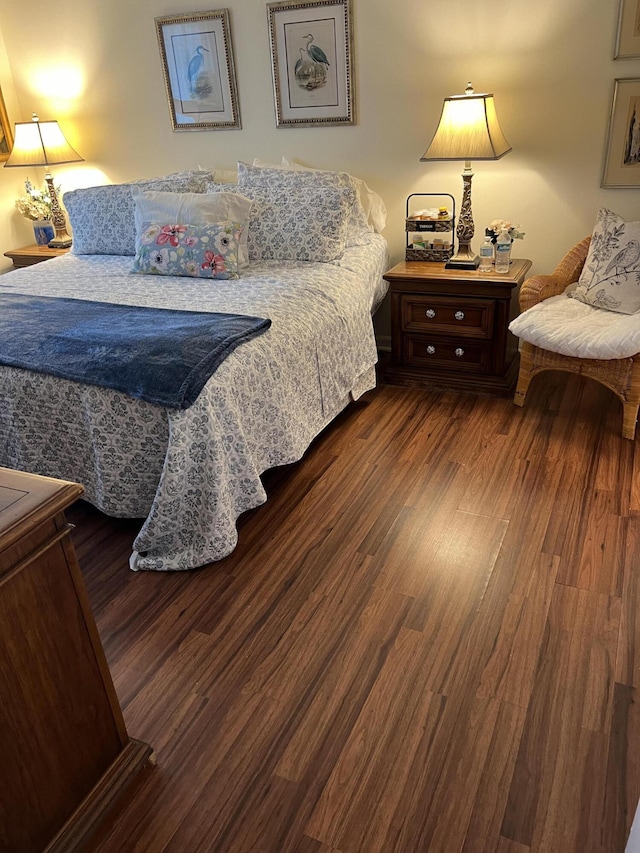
column 622, row 376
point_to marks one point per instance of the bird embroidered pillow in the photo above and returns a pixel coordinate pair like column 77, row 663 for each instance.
column 611, row 275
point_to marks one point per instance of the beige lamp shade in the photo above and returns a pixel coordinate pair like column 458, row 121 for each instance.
column 468, row 130
column 40, row 143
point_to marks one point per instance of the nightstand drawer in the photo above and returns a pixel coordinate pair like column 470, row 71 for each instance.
column 462, row 355
column 447, row 315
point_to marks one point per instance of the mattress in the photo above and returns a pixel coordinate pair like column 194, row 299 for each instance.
column 191, row 473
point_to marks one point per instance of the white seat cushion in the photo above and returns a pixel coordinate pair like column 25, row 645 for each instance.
column 569, row 327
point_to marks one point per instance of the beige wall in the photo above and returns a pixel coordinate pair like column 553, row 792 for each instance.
column 96, row 68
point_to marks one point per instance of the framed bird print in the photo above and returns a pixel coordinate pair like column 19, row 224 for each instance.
column 198, row 68
column 622, row 154
column 312, row 62
column 628, row 34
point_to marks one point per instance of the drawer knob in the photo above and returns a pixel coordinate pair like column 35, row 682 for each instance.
column 459, row 352
column 431, row 350
column 459, row 315
column 430, row 313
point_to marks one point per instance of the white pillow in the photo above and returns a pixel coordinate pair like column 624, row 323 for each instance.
column 225, row 176
column 194, row 209
column 372, row 204
column 610, row 277
column 262, row 164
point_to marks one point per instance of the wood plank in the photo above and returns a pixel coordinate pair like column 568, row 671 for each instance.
column 606, row 535
column 543, row 811
column 623, row 769
column 358, row 804
column 493, row 790
column 628, row 656
column 498, row 844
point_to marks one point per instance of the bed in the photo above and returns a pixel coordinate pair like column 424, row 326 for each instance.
column 191, row 472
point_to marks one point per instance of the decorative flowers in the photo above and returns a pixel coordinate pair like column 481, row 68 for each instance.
column 36, row 204
column 170, row 234
column 160, row 259
column 496, row 226
column 213, row 262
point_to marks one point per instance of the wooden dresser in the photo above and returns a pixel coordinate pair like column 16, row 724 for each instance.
column 65, row 756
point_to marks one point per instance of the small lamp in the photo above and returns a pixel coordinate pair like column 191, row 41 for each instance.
column 42, row 143
column 468, row 130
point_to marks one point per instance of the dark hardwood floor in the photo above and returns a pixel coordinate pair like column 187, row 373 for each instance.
column 427, row 640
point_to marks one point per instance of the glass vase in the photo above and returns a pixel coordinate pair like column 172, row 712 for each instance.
column 43, row 231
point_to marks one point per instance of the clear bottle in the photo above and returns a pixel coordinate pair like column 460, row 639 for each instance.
column 503, row 252
column 486, row 253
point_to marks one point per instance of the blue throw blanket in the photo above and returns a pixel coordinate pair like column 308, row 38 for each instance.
column 156, row 354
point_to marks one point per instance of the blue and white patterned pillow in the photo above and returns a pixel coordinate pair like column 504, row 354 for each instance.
column 357, row 226
column 297, row 222
column 205, row 251
column 102, row 218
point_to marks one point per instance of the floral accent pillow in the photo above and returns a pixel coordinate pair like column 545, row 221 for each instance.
column 102, row 218
column 205, row 251
column 357, row 228
column 196, row 209
column 298, row 222
column 610, row 277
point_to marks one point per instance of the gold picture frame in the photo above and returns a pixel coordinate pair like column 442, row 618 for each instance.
column 6, row 134
column 199, row 71
column 312, row 62
column 628, row 33
column 622, row 152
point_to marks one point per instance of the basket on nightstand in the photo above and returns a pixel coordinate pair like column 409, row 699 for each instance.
column 434, row 248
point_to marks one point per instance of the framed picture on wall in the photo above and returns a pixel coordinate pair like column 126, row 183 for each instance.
column 628, row 34
column 6, row 136
column 312, row 60
column 198, row 68
column 622, row 153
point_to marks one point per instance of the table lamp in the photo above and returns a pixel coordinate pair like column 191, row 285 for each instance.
column 468, row 130
column 42, row 143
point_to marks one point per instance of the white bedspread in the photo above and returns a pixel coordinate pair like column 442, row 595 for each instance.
column 193, row 472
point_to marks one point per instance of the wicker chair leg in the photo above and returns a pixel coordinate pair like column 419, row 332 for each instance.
column 525, row 375
column 629, row 418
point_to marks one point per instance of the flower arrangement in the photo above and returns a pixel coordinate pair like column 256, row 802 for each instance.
column 512, row 229
column 36, row 204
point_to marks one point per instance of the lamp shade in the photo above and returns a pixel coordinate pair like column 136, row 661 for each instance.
column 468, row 130
column 40, row 143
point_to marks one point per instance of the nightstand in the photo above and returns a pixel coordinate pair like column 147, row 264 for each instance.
column 29, row 255
column 449, row 327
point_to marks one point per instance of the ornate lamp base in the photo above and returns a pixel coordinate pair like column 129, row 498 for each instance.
column 465, row 258
column 62, row 240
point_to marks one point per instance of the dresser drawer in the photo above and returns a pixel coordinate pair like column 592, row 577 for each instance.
column 447, row 315
column 460, row 355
